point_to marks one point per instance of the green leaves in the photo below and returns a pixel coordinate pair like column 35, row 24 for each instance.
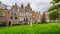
column 56, row 1
column 1, row 12
column 54, row 15
column 55, row 7
column 54, row 10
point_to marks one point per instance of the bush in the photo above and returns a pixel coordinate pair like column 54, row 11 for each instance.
column 2, row 23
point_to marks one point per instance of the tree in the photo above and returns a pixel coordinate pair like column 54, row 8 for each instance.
column 54, row 15
column 1, row 12
column 54, row 10
column 55, row 5
column 43, row 19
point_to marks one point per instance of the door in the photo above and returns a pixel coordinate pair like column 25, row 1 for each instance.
column 9, row 23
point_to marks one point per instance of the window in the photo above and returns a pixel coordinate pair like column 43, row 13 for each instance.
column 24, row 19
column 15, row 17
column 11, row 17
column 21, row 18
column 28, row 13
column 13, row 12
column 22, row 14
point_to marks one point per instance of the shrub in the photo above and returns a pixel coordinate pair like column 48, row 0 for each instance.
column 2, row 23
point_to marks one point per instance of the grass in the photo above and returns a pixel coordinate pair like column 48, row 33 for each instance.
column 50, row 28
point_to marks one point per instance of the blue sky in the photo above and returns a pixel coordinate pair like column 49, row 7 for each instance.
column 40, row 5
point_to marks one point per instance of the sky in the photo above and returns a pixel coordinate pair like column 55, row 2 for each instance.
column 38, row 5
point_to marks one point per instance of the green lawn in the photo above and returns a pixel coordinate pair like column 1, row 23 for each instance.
column 50, row 28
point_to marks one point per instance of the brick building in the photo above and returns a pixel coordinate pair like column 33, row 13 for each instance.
column 36, row 16
column 21, row 15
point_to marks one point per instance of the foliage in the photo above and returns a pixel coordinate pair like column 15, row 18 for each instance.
column 56, row 1
column 50, row 28
column 43, row 19
column 54, row 15
column 2, row 23
column 54, row 7
column 1, row 11
column 54, row 10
